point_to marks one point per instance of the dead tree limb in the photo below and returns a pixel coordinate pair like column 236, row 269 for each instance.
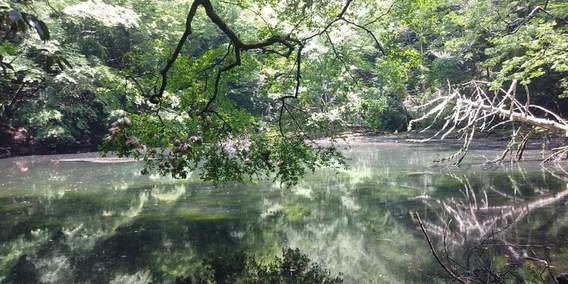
column 470, row 109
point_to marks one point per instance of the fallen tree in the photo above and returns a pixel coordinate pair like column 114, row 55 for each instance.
column 469, row 109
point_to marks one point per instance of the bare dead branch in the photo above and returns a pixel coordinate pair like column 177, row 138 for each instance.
column 468, row 114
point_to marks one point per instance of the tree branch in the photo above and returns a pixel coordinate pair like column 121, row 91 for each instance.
column 478, row 111
column 286, row 40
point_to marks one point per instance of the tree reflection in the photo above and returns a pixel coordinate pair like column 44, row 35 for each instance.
column 484, row 228
column 114, row 225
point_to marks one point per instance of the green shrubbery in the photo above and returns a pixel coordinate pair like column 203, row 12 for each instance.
column 365, row 70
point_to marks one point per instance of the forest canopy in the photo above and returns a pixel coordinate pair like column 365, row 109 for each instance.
column 240, row 89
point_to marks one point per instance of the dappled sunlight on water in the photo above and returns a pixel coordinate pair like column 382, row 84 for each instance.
column 78, row 221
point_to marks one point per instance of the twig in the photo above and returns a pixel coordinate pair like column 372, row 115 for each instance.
column 449, row 271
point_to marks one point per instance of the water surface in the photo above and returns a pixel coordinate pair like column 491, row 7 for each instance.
column 76, row 222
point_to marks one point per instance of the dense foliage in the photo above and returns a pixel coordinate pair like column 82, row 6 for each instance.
column 71, row 70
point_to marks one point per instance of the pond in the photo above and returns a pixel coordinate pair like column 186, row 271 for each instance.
column 66, row 221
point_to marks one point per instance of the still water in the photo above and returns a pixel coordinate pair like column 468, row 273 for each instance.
column 80, row 222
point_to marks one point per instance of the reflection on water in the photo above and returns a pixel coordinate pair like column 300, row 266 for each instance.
column 64, row 222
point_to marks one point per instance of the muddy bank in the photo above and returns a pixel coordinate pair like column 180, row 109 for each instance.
column 494, row 143
column 13, row 149
column 18, row 142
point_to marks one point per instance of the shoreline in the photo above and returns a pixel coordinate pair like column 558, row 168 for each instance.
column 494, row 142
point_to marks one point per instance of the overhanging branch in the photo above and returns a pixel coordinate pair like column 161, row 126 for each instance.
column 239, row 46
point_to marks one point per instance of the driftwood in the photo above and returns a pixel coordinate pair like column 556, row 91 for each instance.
column 478, row 111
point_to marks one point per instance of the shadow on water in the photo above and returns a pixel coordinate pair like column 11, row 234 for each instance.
column 65, row 222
